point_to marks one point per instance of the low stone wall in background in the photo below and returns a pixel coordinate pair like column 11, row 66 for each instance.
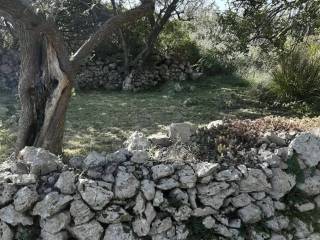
column 104, row 75
column 155, row 188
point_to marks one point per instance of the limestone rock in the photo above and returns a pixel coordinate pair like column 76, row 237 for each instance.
column 216, row 201
column 118, row 232
column 277, row 224
column 9, row 215
column 160, row 139
column 181, row 132
column 302, row 229
column 161, row 171
column 25, row 198
column 39, row 161
column 159, row 226
column 7, row 190
column 204, row 169
column 187, row 177
column 51, row 204
column 307, row 146
column 267, row 207
column 126, row 185
column 241, row 200
column 55, row 223
column 113, row 214
column 158, row 199
column 137, row 141
column 5, row 232
column 228, row 175
column 66, row 182
column 281, row 183
column 80, row 212
column 167, row 184
column 148, row 189
column 212, row 188
column 63, row 235
column 92, row 230
column 94, row 160
column 250, row 214
column 183, row 213
column 310, row 186
column 141, row 226
column 255, row 181
column 139, row 156
column 94, row 195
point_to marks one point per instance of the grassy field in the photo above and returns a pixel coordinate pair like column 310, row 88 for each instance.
column 102, row 120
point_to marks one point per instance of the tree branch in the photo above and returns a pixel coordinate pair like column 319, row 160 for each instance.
column 108, row 28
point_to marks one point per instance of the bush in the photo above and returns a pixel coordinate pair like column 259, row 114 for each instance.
column 211, row 64
column 297, row 77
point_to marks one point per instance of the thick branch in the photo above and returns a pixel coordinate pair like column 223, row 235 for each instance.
column 108, row 28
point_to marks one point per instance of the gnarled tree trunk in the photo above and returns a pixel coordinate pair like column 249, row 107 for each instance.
column 44, row 89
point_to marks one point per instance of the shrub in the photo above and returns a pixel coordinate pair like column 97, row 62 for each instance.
column 297, row 77
column 211, row 64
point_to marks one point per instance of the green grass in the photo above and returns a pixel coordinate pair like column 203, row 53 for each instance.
column 102, row 120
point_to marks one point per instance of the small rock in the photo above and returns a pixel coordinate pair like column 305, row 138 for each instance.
column 160, row 226
column 204, row 169
column 241, row 200
column 148, row 189
column 9, row 215
column 66, row 182
column 187, row 177
column 281, row 183
column 167, row 184
column 141, row 226
column 137, row 141
column 209, row 222
column 7, row 190
column 39, row 161
column 250, row 214
column 63, row 235
column 158, row 199
column 305, row 207
column 25, row 198
column 139, row 156
column 183, row 214
column 118, row 232
column 80, row 212
column 95, row 196
column 310, row 186
column 267, row 207
column 161, row 171
column 255, row 181
column 228, row 175
column 5, row 232
column 113, row 214
column 51, row 204
column 215, row 124
column 160, row 139
column 277, row 224
column 94, row 160
column 307, row 146
column 126, row 185
column 55, row 223
column 92, row 230
column 181, row 132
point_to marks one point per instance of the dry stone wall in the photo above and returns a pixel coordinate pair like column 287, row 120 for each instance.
column 145, row 191
column 104, row 75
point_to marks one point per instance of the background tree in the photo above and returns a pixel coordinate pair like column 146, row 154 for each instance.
column 48, row 67
column 270, row 23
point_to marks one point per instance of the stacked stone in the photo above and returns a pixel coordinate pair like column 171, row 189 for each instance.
column 129, row 194
column 101, row 75
column 9, row 69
